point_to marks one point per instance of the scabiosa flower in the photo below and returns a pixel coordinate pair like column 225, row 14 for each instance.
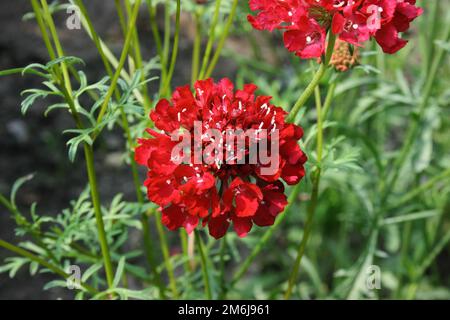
column 306, row 22
column 216, row 191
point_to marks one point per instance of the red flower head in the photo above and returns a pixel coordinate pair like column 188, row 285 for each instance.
column 306, row 22
column 209, row 163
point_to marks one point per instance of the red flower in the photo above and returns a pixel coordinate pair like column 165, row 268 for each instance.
column 239, row 189
column 306, row 38
column 306, row 22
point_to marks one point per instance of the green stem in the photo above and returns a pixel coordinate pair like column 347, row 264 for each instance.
column 184, row 246
column 51, row 25
column 314, row 82
column 122, row 61
column 306, row 234
column 94, row 36
column 221, row 43
column 138, row 58
column 38, row 13
column 222, row 280
column 329, row 99
column 89, row 154
column 212, row 34
column 166, row 255
column 149, row 255
column 166, row 42
column 123, row 24
column 197, row 47
column 314, row 196
column 156, row 36
column 205, row 272
column 42, row 262
column 173, row 60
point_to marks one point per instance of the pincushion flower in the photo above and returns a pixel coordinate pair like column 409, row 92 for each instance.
column 306, row 22
column 200, row 172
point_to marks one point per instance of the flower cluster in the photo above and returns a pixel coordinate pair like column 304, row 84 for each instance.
column 218, row 193
column 305, row 22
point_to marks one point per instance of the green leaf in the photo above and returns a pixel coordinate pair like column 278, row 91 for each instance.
column 69, row 60
column 13, row 265
column 91, row 271
column 17, row 185
column 119, row 272
column 75, row 142
column 55, row 284
column 34, row 267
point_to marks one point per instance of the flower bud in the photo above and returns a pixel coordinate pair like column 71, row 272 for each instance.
column 343, row 57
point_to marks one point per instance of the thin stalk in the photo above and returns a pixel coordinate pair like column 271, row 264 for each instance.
column 42, row 262
column 166, row 42
column 432, row 26
column 314, row 196
column 123, row 24
column 166, row 255
column 173, row 60
column 222, row 280
column 205, row 271
column 89, row 154
column 156, row 36
column 406, row 239
column 150, row 257
column 211, row 39
column 51, row 26
column 197, row 47
column 184, row 246
column 94, row 36
column 329, row 99
column 38, row 13
column 122, row 61
column 138, row 58
column 308, row 228
column 315, row 80
column 221, row 43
